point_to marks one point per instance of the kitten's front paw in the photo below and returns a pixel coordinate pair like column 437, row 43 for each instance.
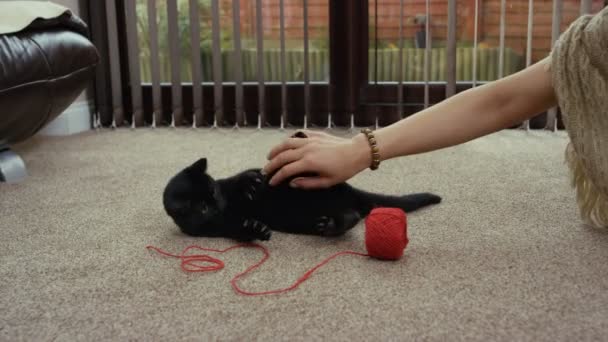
column 257, row 229
column 253, row 181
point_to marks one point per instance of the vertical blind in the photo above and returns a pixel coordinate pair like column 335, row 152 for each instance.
column 190, row 101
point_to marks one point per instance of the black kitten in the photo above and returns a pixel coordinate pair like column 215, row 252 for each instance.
column 244, row 207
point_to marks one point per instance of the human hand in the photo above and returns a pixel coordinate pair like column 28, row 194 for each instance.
column 332, row 159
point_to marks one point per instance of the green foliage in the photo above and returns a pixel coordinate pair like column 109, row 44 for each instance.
column 183, row 22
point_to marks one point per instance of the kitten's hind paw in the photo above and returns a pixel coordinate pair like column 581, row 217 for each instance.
column 326, row 226
column 257, row 229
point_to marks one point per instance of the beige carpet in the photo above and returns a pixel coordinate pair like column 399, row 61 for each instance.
column 504, row 257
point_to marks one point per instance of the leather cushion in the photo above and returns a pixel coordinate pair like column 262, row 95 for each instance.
column 41, row 73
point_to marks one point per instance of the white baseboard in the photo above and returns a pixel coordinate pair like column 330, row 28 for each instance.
column 75, row 119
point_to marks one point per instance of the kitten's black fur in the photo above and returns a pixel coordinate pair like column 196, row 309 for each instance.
column 245, row 208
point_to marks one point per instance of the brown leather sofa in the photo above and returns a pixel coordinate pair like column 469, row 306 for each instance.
column 43, row 69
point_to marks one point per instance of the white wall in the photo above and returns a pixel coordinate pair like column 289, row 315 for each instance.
column 77, row 117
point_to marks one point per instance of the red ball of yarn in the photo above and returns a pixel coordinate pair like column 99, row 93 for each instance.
column 386, row 233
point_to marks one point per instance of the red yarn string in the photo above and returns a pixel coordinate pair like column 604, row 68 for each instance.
column 206, row 263
column 385, row 238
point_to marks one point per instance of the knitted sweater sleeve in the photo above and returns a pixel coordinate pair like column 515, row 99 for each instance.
column 579, row 72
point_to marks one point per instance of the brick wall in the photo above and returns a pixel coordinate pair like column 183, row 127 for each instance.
column 388, row 20
column 318, row 18
column 517, row 23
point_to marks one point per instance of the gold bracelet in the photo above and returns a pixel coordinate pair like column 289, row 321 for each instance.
column 374, row 146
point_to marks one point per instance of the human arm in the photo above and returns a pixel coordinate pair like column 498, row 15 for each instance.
column 466, row 116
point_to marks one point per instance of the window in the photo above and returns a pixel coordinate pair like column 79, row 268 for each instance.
column 310, row 62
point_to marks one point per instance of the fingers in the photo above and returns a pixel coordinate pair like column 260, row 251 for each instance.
column 288, row 144
column 282, row 159
column 288, row 171
column 311, row 182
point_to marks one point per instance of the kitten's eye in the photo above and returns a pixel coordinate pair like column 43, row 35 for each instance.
column 184, row 208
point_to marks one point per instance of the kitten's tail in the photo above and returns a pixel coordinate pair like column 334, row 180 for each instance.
column 407, row 203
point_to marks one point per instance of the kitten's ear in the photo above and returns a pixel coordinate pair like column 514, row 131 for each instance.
column 200, row 165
